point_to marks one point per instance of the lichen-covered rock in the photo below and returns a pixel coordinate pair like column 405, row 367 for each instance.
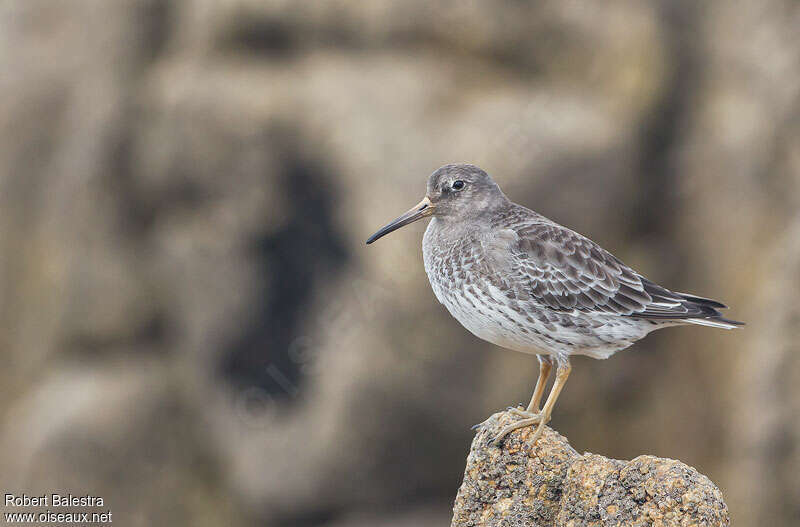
column 518, row 484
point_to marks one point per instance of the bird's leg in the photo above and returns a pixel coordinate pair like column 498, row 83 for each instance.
column 562, row 372
column 545, row 367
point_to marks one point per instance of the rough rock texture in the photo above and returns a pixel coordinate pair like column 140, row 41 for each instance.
column 551, row 485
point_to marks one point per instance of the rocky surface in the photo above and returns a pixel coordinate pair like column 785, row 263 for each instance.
column 517, row 484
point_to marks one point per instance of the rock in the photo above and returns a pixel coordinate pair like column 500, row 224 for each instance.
column 550, row 484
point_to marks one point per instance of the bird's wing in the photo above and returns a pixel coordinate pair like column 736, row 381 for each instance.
column 565, row 271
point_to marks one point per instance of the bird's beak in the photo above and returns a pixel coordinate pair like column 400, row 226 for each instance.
column 422, row 209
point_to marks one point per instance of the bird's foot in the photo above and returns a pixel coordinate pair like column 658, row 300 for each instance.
column 518, row 411
column 481, row 424
column 530, row 419
column 526, row 417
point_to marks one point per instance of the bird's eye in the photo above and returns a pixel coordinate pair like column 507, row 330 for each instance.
column 458, row 184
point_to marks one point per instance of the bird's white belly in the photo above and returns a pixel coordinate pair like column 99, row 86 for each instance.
column 487, row 317
column 487, row 322
column 518, row 332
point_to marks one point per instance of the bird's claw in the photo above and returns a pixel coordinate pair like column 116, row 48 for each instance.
column 481, row 424
column 526, row 419
column 518, row 411
column 529, row 419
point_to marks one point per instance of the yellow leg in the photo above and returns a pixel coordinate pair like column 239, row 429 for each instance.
column 545, row 367
column 562, row 372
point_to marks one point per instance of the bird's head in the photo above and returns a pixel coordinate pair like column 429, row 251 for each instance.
column 456, row 192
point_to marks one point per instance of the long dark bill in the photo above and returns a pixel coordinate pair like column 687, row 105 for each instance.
column 420, row 210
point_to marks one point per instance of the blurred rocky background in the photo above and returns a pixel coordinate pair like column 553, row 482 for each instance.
column 192, row 327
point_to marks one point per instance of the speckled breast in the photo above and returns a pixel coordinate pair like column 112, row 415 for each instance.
column 457, row 269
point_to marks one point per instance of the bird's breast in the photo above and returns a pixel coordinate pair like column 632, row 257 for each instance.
column 449, row 260
column 458, row 269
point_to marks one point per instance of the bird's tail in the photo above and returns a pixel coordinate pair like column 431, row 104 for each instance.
column 714, row 318
column 716, row 322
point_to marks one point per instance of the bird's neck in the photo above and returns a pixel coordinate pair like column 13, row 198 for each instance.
column 449, row 227
column 479, row 215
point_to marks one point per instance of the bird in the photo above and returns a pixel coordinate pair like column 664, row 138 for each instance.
column 521, row 281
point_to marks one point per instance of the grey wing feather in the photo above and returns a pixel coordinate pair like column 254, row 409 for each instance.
column 566, row 271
